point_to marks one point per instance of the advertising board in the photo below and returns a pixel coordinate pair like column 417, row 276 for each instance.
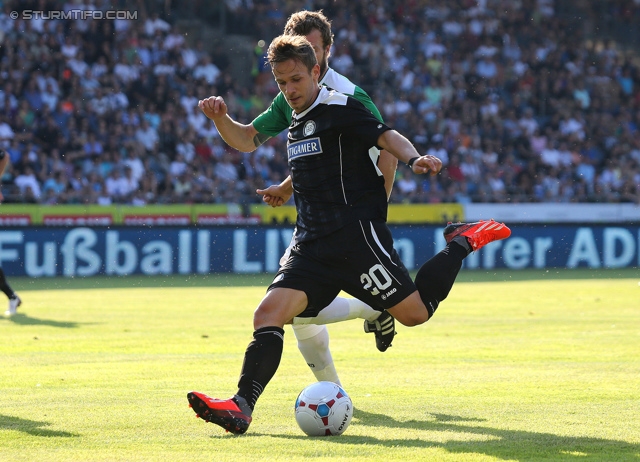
column 123, row 250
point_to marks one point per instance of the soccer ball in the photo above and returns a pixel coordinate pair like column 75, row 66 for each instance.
column 323, row 409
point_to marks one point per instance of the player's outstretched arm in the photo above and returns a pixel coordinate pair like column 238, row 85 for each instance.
column 277, row 195
column 242, row 137
column 388, row 165
column 404, row 151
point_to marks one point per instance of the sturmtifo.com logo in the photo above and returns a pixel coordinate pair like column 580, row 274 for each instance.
column 74, row 14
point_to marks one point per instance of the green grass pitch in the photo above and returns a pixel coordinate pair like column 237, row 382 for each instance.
column 515, row 366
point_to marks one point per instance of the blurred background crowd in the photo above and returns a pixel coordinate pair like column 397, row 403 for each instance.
column 523, row 100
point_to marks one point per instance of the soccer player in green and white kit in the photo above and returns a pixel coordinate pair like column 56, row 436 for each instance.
column 311, row 333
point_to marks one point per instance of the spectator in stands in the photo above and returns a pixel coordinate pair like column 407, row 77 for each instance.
column 225, row 170
column 154, row 24
column 146, row 135
column 28, row 183
column 406, row 185
column 6, row 132
column 117, row 186
column 206, row 70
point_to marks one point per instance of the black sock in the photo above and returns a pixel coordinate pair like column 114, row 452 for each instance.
column 261, row 361
column 463, row 242
column 436, row 277
column 8, row 291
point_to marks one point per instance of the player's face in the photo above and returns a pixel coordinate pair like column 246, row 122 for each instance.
column 298, row 85
column 322, row 53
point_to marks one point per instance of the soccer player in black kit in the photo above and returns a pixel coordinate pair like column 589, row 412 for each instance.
column 342, row 239
column 14, row 300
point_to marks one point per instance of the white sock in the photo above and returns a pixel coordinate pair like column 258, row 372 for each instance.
column 313, row 343
column 341, row 309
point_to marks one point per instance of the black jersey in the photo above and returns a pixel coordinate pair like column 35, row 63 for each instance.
column 335, row 180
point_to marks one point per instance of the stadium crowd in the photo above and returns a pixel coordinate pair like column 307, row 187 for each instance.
column 508, row 93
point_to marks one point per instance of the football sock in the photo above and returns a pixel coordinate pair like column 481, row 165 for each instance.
column 243, row 405
column 436, row 277
column 313, row 343
column 341, row 309
column 261, row 361
column 8, row 291
column 463, row 242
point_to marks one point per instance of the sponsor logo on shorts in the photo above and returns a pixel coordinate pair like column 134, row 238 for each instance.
column 389, row 294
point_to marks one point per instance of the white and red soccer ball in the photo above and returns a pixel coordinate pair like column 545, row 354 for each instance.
column 323, row 409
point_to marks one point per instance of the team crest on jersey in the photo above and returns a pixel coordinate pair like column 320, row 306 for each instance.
column 309, row 128
column 307, row 147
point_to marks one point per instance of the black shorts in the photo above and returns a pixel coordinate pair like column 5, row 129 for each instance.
column 359, row 259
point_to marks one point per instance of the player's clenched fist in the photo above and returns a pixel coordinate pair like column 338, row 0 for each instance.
column 213, row 107
column 427, row 164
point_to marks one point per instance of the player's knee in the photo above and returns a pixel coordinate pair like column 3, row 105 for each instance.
column 265, row 315
column 411, row 311
column 413, row 318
